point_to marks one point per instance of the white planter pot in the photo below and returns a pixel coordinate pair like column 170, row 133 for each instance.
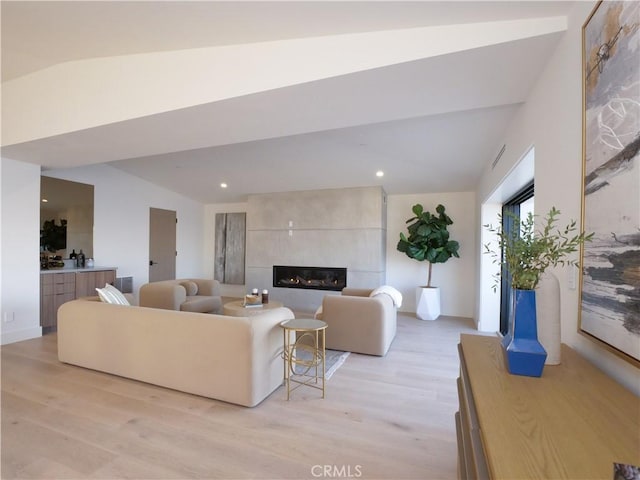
column 548, row 313
column 427, row 303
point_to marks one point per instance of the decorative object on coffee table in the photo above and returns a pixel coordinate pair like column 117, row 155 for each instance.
column 252, row 300
column 238, row 308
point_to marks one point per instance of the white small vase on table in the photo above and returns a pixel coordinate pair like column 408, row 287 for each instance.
column 548, row 308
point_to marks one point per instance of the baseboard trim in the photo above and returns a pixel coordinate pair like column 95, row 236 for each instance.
column 20, row 335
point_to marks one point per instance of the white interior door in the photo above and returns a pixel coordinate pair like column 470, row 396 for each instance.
column 162, row 244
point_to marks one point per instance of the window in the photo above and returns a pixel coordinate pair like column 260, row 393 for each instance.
column 518, row 207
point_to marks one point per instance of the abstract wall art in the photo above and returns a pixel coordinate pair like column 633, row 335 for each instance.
column 230, row 244
column 610, row 280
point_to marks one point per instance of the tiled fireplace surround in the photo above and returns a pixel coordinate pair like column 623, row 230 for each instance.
column 319, row 228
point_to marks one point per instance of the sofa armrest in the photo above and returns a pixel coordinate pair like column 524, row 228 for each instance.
column 165, row 295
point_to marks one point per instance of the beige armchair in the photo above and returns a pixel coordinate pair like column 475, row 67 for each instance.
column 187, row 295
column 359, row 323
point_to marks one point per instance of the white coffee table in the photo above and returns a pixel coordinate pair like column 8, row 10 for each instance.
column 237, row 308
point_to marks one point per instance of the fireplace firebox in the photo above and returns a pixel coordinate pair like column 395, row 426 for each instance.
column 314, row 278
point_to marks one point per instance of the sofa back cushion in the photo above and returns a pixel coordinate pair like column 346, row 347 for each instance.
column 190, row 287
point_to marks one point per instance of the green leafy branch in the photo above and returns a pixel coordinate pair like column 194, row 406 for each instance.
column 526, row 253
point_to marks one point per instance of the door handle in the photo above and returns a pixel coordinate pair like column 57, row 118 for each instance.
column 151, row 263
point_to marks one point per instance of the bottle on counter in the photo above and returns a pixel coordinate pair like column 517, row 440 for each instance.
column 80, row 260
column 73, row 255
column 265, row 296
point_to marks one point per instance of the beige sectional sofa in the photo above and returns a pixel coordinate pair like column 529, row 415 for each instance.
column 233, row 359
column 185, row 294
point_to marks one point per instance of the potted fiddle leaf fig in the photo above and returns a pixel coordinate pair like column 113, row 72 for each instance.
column 428, row 241
column 524, row 254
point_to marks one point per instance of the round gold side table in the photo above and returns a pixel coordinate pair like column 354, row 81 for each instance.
column 304, row 357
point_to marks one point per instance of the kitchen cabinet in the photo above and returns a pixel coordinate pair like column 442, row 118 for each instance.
column 60, row 286
column 87, row 282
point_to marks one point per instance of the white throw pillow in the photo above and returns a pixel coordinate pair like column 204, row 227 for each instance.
column 103, row 295
column 110, row 294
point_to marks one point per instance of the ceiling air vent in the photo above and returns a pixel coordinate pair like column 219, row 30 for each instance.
column 495, row 162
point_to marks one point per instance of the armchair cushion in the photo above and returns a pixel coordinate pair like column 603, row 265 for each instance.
column 199, row 303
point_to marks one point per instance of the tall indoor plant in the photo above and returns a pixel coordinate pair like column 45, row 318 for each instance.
column 524, row 254
column 428, row 241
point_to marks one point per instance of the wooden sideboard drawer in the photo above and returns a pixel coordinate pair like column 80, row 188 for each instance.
column 475, row 466
column 573, row 422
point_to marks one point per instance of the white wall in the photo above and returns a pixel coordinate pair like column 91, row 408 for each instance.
column 551, row 120
column 121, row 235
column 456, row 278
column 19, row 248
column 121, row 222
column 488, row 304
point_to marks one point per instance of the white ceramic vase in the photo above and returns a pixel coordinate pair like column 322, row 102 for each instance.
column 548, row 313
column 427, row 303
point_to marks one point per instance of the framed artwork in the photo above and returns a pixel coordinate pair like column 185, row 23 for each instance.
column 230, row 244
column 610, row 280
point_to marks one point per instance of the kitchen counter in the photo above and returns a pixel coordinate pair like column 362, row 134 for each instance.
column 74, row 269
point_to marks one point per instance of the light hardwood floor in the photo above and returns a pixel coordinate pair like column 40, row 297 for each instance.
column 383, row 418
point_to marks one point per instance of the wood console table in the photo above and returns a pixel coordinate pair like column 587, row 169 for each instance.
column 573, row 422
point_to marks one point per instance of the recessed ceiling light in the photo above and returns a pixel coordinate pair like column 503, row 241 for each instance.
column 223, row 185
column 44, row 200
column 379, row 173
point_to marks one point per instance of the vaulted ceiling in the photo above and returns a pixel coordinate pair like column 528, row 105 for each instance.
column 271, row 96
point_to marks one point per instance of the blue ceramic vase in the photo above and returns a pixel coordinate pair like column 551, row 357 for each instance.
column 523, row 352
